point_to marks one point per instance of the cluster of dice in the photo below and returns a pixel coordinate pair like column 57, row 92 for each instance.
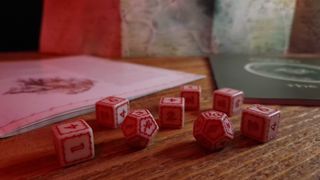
column 212, row 129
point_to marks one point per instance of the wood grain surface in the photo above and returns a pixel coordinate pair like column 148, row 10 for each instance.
column 174, row 154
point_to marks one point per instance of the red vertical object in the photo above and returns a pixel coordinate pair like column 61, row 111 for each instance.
column 305, row 33
column 81, row 26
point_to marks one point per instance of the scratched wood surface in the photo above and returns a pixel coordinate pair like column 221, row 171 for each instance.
column 174, row 154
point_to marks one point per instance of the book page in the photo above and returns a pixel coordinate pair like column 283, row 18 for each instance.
column 35, row 91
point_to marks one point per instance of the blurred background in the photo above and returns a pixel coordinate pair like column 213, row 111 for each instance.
column 161, row 27
column 20, row 25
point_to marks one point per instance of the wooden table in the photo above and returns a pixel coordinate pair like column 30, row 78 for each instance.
column 174, row 154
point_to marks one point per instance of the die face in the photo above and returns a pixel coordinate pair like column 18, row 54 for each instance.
column 171, row 117
column 138, row 113
column 213, row 115
column 113, row 100
column 77, row 148
column 172, row 101
column 273, row 126
column 111, row 111
column 228, row 129
column 191, row 88
column 213, row 130
column 105, row 116
column 129, row 127
column 228, row 100
column 73, row 142
column 222, row 103
column 139, row 127
column 72, row 127
column 262, row 110
column 236, row 103
column 192, row 100
column 228, row 91
column 147, row 127
column 253, row 126
column 121, row 112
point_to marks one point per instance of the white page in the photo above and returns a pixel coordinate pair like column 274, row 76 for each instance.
column 46, row 96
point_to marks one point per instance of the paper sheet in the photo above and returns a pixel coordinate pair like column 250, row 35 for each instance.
column 36, row 93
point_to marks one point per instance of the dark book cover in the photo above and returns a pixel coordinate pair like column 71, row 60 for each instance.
column 268, row 79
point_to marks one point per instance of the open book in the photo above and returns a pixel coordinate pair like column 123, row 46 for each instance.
column 37, row 93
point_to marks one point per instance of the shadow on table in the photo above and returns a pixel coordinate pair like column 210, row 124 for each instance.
column 191, row 150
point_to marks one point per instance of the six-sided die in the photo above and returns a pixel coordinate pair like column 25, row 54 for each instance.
column 111, row 111
column 73, row 142
column 171, row 112
column 192, row 96
column 228, row 100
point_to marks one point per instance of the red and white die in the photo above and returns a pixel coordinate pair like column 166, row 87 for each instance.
column 171, row 112
column 191, row 95
column 73, row 142
column 139, row 128
column 260, row 123
column 111, row 111
column 213, row 130
column 228, row 100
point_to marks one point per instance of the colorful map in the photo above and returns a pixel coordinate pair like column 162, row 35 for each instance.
column 253, row 26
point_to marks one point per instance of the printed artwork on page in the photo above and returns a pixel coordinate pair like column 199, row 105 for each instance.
column 166, row 27
column 253, row 26
column 41, row 92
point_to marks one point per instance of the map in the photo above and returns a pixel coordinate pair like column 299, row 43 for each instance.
column 253, row 26
column 166, row 27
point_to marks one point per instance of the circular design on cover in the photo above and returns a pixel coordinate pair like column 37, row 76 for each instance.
column 304, row 73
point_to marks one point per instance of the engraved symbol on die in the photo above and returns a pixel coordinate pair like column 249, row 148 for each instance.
column 214, row 114
column 123, row 113
column 147, row 127
column 192, row 87
column 113, row 99
column 273, row 126
column 77, row 148
column 263, row 109
column 238, row 101
column 228, row 125
column 172, row 100
column 71, row 126
column 138, row 113
column 229, row 128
